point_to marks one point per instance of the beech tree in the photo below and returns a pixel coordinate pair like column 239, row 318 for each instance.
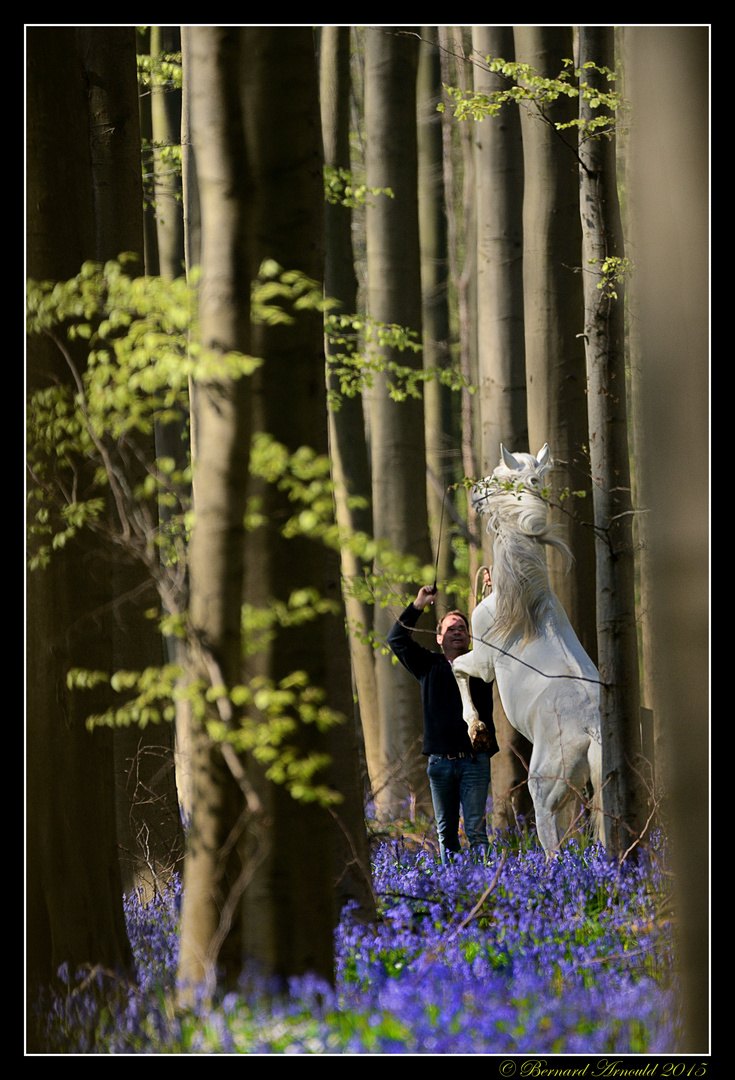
column 161, row 108
column 263, row 860
column 604, row 336
column 668, row 72
column 553, row 313
column 266, row 632
column 348, row 447
column 150, row 837
column 305, row 878
column 499, row 180
column 74, row 888
column 165, row 109
column 211, row 923
column 442, row 429
column 397, row 443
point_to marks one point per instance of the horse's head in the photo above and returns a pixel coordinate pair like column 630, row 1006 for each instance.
column 515, row 503
column 516, row 477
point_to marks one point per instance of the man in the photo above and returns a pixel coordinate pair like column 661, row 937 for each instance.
column 459, row 776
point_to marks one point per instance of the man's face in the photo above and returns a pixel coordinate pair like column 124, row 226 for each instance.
column 453, row 635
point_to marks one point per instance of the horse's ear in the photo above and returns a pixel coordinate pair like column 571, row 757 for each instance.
column 510, row 461
column 544, row 456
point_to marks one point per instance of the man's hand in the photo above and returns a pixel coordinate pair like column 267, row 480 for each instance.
column 427, row 594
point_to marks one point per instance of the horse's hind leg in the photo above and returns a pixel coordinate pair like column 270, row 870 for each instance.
column 545, row 824
column 548, row 793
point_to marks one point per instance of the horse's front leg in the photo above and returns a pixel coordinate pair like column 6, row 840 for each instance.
column 463, row 667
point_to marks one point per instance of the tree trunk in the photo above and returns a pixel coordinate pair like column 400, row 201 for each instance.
column 604, row 338
column 210, row 925
column 74, row 892
column 459, row 184
column 501, row 351
column 668, row 71
column 150, row 836
column 554, row 315
column 653, row 725
column 347, row 443
column 500, row 325
column 166, row 133
column 441, row 431
column 171, row 440
column 150, row 239
column 109, row 59
column 289, row 909
column 184, row 727
column 396, row 428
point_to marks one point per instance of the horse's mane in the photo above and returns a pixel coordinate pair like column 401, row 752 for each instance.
column 518, row 517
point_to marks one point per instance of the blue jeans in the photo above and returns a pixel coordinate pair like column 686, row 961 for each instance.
column 455, row 783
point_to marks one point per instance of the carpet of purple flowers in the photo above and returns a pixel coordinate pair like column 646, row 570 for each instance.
column 516, row 956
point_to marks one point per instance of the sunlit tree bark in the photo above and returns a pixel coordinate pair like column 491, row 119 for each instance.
column 459, row 185
column 263, row 868
column 347, row 444
column 211, row 923
column 165, row 108
column 554, row 314
column 501, row 348
column 499, row 181
column 440, row 415
column 604, row 336
column 668, row 82
column 396, row 428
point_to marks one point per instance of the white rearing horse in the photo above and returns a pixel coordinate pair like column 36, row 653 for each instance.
column 548, row 686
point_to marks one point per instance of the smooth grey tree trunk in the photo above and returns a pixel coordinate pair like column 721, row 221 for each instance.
column 397, row 441
column 440, row 414
column 347, row 441
column 213, row 882
column 501, row 350
column 554, row 318
column 166, row 133
column 667, row 69
column 604, row 336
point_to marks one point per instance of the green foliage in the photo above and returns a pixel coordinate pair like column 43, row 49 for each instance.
column 341, row 188
column 613, row 271
column 357, row 353
column 304, row 477
column 84, row 432
column 140, row 355
column 131, row 350
column 524, row 86
column 279, row 295
column 269, row 715
column 160, row 73
column 147, row 697
column 87, row 457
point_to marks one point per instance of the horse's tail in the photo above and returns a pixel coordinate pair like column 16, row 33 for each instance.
column 597, row 817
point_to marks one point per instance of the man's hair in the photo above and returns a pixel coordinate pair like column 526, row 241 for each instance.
column 461, row 614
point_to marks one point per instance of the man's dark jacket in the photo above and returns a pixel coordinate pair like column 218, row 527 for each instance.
column 445, row 732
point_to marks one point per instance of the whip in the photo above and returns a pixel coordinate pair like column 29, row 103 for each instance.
column 439, row 539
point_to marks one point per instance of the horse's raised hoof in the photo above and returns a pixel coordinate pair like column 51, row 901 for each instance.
column 481, row 739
